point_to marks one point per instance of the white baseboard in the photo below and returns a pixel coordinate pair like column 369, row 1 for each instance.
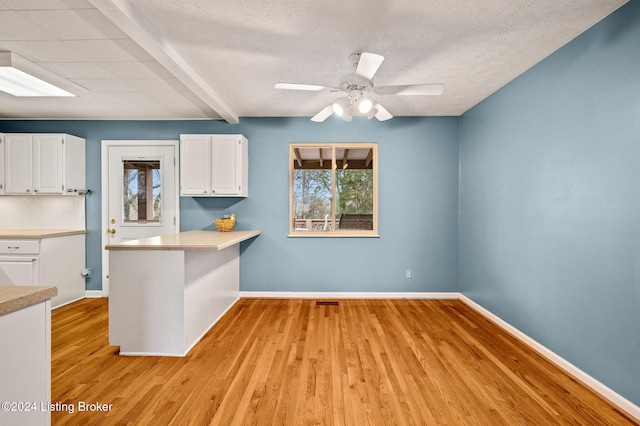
column 348, row 295
column 93, row 294
column 607, row 393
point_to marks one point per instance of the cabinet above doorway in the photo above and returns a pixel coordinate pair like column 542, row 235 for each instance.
column 214, row 166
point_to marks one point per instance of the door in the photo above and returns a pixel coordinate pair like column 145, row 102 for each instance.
column 195, row 164
column 18, row 270
column 48, row 161
column 140, row 193
column 225, row 168
column 1, row 163
column 18, row 164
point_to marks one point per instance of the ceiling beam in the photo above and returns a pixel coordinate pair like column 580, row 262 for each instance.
column 125, row 17
column 296, row 151
column 369, row 158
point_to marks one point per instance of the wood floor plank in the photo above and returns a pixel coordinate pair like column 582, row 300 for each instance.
column 290, row 362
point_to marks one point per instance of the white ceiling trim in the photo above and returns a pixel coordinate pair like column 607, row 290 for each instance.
column 125, row 17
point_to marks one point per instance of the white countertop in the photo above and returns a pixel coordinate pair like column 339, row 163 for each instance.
column 38, row 233
column 190, row 240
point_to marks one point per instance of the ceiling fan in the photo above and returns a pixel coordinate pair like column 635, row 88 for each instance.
column 358, row 87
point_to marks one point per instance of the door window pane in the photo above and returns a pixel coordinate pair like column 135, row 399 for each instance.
column 142, row 191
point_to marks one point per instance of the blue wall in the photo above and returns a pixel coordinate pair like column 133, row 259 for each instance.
column 550, row 202
column 418, row 202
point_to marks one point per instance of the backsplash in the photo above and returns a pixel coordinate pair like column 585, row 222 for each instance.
column 42, row 212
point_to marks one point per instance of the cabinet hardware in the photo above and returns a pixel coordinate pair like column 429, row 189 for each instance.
column 13, row 247
column 111, row 230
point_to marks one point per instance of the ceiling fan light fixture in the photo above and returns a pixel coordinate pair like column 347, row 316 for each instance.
column 365, row 103
column 358, row 85
column 340, row 105
column 347, row 114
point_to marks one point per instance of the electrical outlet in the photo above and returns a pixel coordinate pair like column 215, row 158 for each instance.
column 408, row 274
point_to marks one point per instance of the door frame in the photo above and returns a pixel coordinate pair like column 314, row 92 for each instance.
column 104, row 154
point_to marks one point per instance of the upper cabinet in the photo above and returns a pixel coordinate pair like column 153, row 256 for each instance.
column 43, row 164
column 1, row 163
column 214, row 165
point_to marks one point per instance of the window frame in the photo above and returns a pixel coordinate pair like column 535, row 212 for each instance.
column 333, row 146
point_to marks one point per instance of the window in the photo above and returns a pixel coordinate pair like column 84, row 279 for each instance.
column 333, row 189
column 141, row 191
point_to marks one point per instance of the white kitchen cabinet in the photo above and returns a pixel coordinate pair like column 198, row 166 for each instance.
column 1, row 163
column 214, row 165
column 43, row 164
column 53, row 261
column 18, row 270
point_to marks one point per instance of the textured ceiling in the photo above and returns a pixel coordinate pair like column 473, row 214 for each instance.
column 167, row 59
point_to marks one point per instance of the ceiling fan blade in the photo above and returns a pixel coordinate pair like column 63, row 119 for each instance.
column 410, row 89
column 368, row 64
column 296, row 86
column 382, row 113
column 324, row 114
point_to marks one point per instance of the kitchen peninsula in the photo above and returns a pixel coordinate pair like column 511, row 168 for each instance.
column 166, row 292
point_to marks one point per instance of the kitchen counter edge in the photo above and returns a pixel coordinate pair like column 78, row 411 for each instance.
column 13, row 297
column 188, row 241
column 38, row 233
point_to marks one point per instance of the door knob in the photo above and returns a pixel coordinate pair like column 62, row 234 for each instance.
column 111, row 231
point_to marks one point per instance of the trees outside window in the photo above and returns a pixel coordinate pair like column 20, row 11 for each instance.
column 142, row 191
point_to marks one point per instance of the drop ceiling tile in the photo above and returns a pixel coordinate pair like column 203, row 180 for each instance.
column 149, row 84
column 15, row 27
column 131, row 69
column 44, row 4
column 78, row 70
column 117, row 50
column 85, row 24
column 112, row 85
column 44, row 51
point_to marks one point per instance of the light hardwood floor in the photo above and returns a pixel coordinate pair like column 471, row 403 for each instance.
column 290, row 362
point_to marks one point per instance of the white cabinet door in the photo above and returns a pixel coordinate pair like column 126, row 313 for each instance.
column 195, row 165
column 48, row 164
column 18, row 271
column 1, row 163
column 18, row 164
column 225, row 165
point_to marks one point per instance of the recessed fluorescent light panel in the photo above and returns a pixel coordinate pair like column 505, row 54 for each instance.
column 17, row 78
